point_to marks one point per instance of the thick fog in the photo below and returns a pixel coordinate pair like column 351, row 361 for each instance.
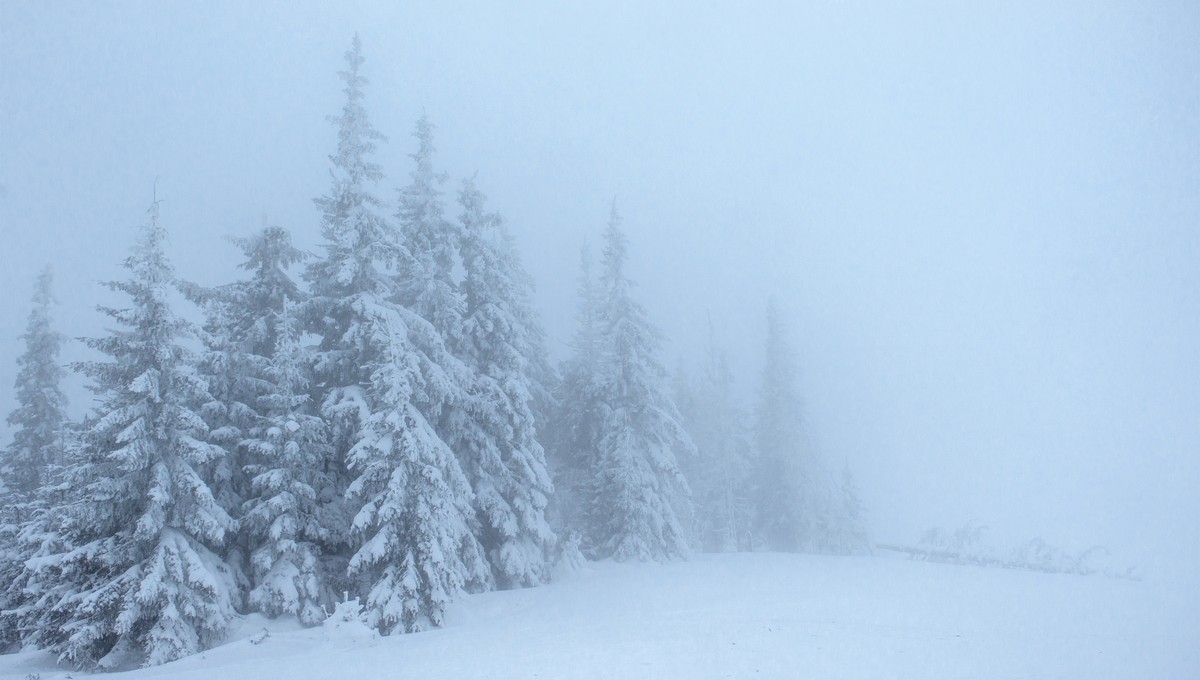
column 981, row 223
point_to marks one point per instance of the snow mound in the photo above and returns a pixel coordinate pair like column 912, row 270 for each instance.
column 348, row 622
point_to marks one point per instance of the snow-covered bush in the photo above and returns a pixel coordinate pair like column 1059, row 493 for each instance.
column 968, row 545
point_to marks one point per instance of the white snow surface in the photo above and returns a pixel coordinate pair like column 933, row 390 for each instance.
column 742, row 616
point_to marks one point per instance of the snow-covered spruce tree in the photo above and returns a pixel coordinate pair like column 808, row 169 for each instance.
column 540, row 374
column 40, row 417
column 239, row 336
column 495, row 433
column 11, row 559
column 142, row 579
column 384, row 377
column 574, row 428
column 847, row 531
column 641, row 500
column 30, row 463
column 425, row 283
column 788, row 479
column 357, row 242
column 719, row 474
column 539, row 371
column 24, row 592
column 416, row 510
column 284, row 524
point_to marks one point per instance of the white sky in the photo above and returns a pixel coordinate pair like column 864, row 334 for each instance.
column 983, row 222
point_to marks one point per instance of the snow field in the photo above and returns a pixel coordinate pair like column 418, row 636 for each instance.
column 743, row 616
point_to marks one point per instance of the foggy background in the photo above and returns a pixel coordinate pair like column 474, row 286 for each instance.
column 982, row 223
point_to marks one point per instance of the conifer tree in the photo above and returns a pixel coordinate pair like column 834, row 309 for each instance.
column 239, row 336
column 425, row 283
column 285, row 523
column 416, row 510
column 356, row 238
column 33, row 540
column 719, row 474
column 385, row 378
column 357, row 242
column 541, row 374
column 848, row 532
column 40, row 416
column 142, row 577
column 640, row 499
column 574, row 430
column 29, row 466
column 790, row 509
column 496, row 436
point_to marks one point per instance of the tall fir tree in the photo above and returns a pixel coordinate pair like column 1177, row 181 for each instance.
column 40, row 416
column 496, row 433
column 356, row 238
column 30, row 466
column 640, row 501
column 418, row 550
column 285, row 523
column 791, row 512
column 426, row 282
column 142, row 578
column 357, row 242
column 574, row 429
column 385, row 377
column 31, row 537
column 848, row 531
column 543, row 376
column 239, row 336
column 719, row 474
column 540, row 374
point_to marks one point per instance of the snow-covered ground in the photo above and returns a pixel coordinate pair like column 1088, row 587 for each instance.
column 746, row 616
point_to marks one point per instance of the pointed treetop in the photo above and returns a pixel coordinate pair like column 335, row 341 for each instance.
column 357, row 240
column 354, row 61
column 423, row 131
column 615, row 248
column 149, row 260
column 420, row 207
column 268, row 250
column 585, row 264
column 356, row 135
column 41, row 403
column 474, row 219
column 43, row 293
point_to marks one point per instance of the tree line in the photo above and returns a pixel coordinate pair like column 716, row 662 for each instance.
column 380, row 421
